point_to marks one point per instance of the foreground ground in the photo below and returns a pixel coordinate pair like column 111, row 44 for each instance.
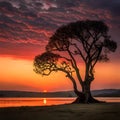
column 105, row 111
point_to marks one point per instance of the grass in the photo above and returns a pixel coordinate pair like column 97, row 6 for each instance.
column 104, row 111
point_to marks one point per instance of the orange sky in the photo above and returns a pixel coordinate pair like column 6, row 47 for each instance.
column 25, row 28
column 16, row 74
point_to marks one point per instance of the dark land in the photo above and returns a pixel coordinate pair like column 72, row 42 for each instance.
column 101, row 111
column 95, row 93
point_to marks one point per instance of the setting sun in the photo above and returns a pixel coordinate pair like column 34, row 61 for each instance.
column 45, row 91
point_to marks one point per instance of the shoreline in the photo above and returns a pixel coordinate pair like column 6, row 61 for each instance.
column 97, row 111
column 102, row 103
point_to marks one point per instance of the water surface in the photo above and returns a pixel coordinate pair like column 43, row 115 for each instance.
column 15, row 102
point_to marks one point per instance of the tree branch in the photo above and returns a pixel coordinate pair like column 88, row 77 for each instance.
column 95, row 61
column 68, row 60
column 75, row 67
column 71, row 78
column 80, row 52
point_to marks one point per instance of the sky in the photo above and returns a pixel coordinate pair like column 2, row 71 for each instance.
column 25, row 28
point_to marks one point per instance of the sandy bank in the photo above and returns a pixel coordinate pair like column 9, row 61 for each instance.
column 105, row 111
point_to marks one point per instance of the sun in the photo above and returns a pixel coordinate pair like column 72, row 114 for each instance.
column 44, row 91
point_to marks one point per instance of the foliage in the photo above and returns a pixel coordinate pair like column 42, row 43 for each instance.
column 87, row 40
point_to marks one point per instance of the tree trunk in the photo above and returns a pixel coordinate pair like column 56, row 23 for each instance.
column 85, row 96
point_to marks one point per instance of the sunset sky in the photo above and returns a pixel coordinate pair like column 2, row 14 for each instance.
column 25, row 28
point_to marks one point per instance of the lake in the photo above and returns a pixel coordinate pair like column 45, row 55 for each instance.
column 16, row 102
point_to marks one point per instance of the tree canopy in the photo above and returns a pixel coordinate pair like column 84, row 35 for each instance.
column 87, row 41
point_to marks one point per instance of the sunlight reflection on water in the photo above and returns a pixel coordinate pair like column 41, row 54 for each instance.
column 44, row 101
column 14, row 102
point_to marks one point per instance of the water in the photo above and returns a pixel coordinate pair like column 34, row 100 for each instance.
column 15, row 102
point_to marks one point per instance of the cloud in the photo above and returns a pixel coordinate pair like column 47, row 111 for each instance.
column 7, row 6
column 25, row 22
column 21, row 50
column 112, row 6
column 47, row 5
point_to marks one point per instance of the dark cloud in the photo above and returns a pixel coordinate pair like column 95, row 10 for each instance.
column 33, row 21
column 67, row 3
column 111, row 5
column 7, row 6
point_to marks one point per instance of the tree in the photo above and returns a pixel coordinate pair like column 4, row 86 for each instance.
column 87, row 41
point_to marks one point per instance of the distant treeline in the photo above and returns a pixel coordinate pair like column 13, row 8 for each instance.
column 95, row 93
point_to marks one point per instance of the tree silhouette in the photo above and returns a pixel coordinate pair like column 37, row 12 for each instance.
column 81, row 41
